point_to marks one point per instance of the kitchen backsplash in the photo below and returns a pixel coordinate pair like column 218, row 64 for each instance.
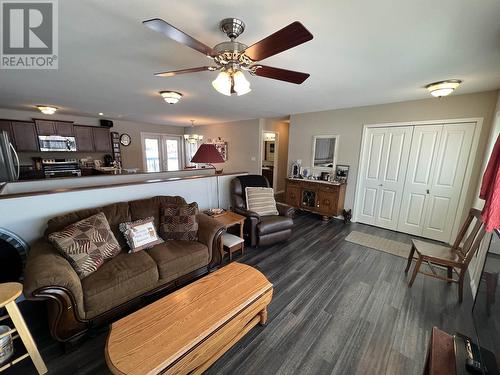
column 26, row 158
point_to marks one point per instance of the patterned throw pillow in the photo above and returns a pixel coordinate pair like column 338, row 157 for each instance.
column 140, row 234
column 178, row 222
column 86, row 244
column 261, row 200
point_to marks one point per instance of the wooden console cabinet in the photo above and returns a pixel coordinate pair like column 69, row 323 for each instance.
column 321, row 197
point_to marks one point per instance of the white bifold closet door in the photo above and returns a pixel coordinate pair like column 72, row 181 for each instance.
column 384, row 164
column 436, row 168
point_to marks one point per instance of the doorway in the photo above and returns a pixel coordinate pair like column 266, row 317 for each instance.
column 161, row 152
column 269, row 157
column 413, row 177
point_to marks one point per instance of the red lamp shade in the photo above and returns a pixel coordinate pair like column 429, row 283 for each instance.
column 207, row 153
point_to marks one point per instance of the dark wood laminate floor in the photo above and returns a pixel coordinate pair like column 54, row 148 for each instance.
column 338, row 308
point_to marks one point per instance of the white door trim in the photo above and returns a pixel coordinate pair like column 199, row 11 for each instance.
column 160, row 135
column 276, row 155
column 468, row 171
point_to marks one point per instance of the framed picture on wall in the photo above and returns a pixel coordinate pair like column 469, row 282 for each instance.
column 221, row 146
column 341, row 173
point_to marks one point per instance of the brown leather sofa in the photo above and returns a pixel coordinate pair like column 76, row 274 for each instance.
column 261, row 230
column 123, row 282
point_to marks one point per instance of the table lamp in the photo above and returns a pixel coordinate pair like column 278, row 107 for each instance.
column 207, row 153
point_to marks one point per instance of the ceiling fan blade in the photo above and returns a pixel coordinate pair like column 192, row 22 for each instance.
column 174, row 33
column 286, row 38
column 281, row 74
column 183, row 71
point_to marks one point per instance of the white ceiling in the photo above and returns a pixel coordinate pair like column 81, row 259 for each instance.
column 363, row 52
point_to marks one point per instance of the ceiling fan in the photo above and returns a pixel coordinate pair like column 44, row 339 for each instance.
column 232, row 58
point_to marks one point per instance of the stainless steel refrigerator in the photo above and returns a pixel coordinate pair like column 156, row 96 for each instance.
column 9, row 161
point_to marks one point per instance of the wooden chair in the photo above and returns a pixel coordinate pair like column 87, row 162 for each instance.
column 456, row 258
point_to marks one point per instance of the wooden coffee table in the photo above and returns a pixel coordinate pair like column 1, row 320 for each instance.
column 188, row 330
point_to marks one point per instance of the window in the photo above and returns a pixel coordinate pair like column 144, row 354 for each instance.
column 152, row 153
column 161, row 152
column 191, row 149
column 172, row 150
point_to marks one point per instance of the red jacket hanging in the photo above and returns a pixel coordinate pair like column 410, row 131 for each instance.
column 490, row 190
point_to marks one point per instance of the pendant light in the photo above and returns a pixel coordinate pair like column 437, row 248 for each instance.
column 193, row 138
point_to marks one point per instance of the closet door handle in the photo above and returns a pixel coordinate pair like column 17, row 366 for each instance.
column 428, row 192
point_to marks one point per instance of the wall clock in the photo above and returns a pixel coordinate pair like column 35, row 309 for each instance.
column 125, row 139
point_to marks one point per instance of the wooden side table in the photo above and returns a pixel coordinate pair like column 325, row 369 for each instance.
column 8, row 294
column 229, row 218
column 440, row 354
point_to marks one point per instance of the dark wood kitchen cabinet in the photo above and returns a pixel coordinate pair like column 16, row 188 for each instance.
column 5, row 126
column 45, row 127
column 48, row 127
column 25, row 136
column 64, row 129
column 102, row 139
column 84, row 138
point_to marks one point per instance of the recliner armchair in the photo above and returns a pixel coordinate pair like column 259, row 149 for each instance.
column 261, row 230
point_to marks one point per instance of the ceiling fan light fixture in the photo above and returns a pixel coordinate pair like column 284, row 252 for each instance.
column 241, row 84
column 47, row 110
column 171, row 97
column 443, row 88
column 222, row 83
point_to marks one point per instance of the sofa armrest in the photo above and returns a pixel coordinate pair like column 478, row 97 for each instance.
column 47, row 269
column 210, row 234
column 285, row 209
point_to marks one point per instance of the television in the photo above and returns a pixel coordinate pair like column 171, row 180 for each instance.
column 486, row 309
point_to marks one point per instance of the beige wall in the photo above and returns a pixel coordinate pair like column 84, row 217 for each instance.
column 476, row 264
column 490, row 143
column 242, row 139
column 281, row 127
column 131, row 155
column 348, row 124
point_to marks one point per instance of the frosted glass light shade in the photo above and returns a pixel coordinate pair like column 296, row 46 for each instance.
column 241, row 85
column 222, row 83
column 443, row 88
column 171, row 97
column 47, row 110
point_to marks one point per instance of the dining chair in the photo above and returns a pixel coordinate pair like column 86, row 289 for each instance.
column 455, row 259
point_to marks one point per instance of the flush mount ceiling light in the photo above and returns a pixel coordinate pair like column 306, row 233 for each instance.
column 193, row 138
column 47, row 110
column 443, row 88
column 231, row 81
column 171, row 97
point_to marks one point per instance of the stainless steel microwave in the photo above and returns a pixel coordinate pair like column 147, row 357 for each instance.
column 56, row 143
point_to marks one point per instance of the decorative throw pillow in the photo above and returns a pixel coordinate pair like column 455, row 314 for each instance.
column 140, row 234
column 261, row 200
column 178, row 222
column 86, row 243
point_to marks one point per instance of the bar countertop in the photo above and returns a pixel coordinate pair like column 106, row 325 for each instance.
column 94, row 182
